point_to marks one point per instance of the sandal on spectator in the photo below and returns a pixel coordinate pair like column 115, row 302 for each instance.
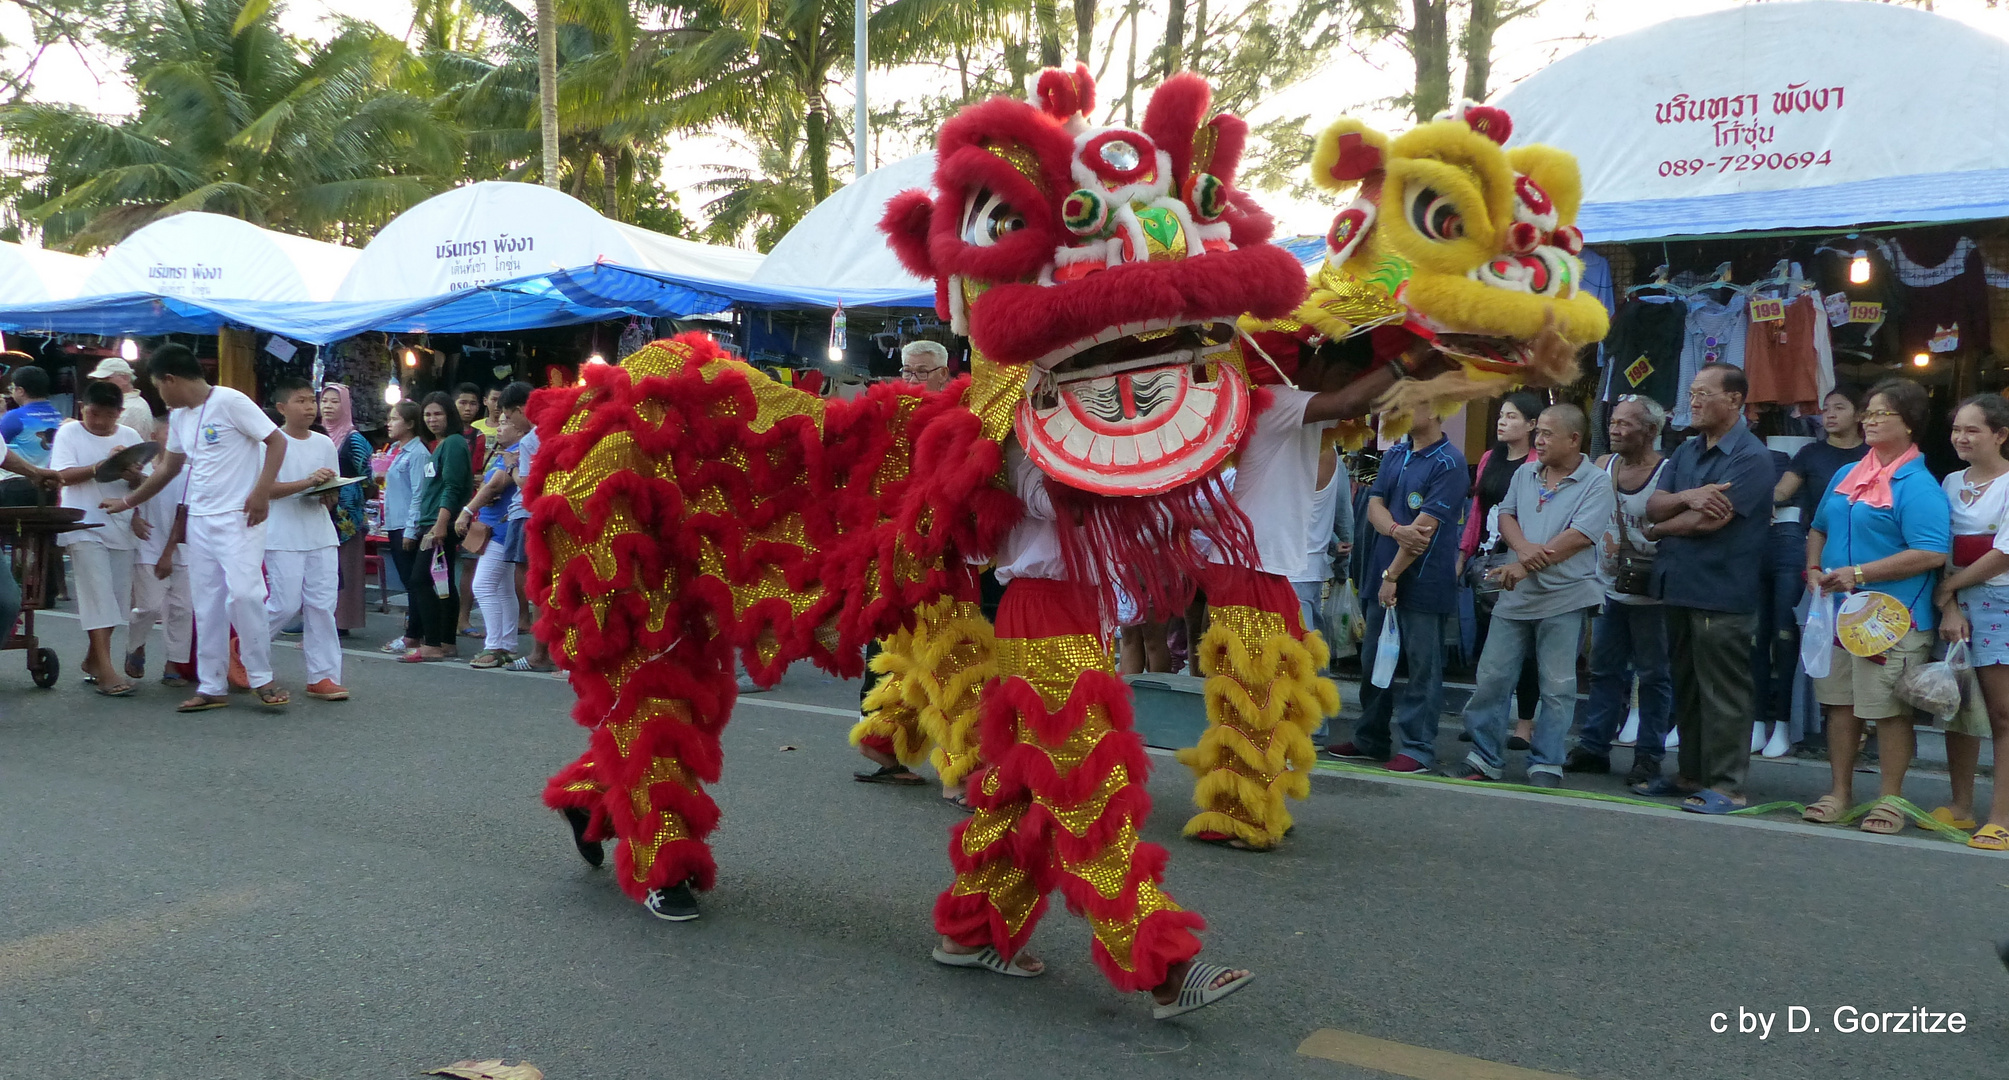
column 1711, row 801
column 1990, row 838
column 1944, row 815
column 493, row 658
column 1883, row 820
column 1825, row 810
column 522, row 663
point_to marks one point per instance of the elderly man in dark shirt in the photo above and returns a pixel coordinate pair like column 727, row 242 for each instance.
column 1710, row 518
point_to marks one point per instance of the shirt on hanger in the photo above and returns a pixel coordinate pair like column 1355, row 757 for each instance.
column 1645, row 348
column 1779, row 355
column 1715, row 334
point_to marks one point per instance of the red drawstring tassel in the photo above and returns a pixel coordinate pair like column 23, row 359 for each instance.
column 1147, row 545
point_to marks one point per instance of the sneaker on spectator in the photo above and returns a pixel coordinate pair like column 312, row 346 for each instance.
column 1404, row 763
column 1583, row 761
column 1544, row 780
column 1347, row 751
column 1643, row 770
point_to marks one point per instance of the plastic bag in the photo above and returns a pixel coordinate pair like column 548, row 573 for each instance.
column 1817, row 639
column 1388, row 650
column 1342, row 619
column 1933, row 687
column 442, row 575
column 1971, row 703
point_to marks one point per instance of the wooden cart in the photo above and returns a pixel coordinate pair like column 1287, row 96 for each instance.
column 31, row 531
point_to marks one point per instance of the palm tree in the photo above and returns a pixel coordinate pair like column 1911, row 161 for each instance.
column 236, row 118
column 547, row 88
column 763, row 202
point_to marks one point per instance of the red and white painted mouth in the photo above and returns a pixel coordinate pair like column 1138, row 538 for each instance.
column 1137, row 419
column 1140, row 344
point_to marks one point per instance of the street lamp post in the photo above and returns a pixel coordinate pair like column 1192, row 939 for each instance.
column 860, row 12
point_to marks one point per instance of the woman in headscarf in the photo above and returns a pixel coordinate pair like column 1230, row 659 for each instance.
column 352, row 454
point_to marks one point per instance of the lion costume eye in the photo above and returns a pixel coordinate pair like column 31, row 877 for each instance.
column 1434, row 215
column 990, row 220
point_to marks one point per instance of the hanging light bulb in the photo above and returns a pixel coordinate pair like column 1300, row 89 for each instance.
column 411, row 357
column 1922, row 360
column 1859, row 268
column 129, row 350
column 596, row 358
column 837, row 338
column 393, row 393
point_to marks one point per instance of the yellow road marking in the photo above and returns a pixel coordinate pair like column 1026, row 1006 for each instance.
column 1416, row 1062
column 54, row 953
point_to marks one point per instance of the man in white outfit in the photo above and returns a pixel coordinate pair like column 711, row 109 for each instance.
column 301, row 575
column 232, row 452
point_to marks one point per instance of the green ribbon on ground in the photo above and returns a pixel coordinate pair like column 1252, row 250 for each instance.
column 1902, row 805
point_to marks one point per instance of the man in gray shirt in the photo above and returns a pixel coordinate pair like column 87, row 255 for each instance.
column 1554, row 508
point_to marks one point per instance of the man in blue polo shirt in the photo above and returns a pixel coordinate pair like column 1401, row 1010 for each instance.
column 1710, row 517
column 1417, row 508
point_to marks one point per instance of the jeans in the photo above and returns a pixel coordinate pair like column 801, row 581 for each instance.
column 1628, row 641
column 1775, row 654
column 1712, row 694
column 1417, row 704
column 1554, row 642
column 1527, row 690
column 407, row 564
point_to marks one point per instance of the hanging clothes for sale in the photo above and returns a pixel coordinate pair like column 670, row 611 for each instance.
column 1716, row 331
column 1781, row 359
column 1945, row 293
column 1853, row 341
column 1644, row 348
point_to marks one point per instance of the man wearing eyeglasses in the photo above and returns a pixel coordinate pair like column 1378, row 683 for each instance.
column 926, row 363
column 1710, row 517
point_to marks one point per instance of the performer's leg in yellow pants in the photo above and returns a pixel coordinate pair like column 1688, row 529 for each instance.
column 927, row 693
column 1265, row 697
column 1061, row 799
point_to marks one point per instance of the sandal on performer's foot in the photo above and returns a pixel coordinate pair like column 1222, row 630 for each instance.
column 273, row 696
column 891, row 774
column 990, row 959
column 1203, row 985
column 202, row 703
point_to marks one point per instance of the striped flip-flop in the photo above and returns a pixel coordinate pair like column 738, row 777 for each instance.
column 1197, row 990
column 987, row 958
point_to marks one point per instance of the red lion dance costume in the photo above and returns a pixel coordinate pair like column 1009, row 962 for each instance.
column 686, row 509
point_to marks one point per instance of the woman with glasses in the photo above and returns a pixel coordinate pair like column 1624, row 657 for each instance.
column 1973, row 603
column 1884, row 527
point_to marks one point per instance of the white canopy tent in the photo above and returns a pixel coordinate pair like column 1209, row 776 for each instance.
column 497, row 230
column 1812, row 114
column 213, row 257
column 838, row 245
column 32, row 275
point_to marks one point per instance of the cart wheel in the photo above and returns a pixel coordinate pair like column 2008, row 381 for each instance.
column 46, row 668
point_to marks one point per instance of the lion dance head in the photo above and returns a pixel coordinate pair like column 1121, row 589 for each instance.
column 1098, row 272
column 1456, row 242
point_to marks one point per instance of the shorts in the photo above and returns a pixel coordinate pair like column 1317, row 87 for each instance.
column 103, row 581
column 1869, row 688
column 513, row 547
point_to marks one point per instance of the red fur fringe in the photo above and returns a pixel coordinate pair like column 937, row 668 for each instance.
column 1164, row 939
column 1144, row 544
column 906, row 225
column 1173, row 117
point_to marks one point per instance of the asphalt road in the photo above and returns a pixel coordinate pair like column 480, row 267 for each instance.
column 372, row 888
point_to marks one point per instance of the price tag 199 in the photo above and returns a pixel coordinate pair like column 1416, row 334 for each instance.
column 1767, row 309
column 1865, row 312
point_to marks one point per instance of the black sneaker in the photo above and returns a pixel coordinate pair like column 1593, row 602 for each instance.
column 589, row 850
column 1644, row 770
column 1515, row 742
column 675, row 904
column 1583, row 761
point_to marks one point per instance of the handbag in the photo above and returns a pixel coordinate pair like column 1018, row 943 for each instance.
column 1632, row 571
column 1480, row 570
column 442, row 575
column 476, row 540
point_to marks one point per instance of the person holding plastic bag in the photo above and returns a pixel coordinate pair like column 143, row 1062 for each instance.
column 1973, row 603
column 1883, row 530
column 1416, row 509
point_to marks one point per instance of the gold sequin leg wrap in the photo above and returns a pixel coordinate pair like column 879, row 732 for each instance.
column 1265, row 696
column 1062, row 799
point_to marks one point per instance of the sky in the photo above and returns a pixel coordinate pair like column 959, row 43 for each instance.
column 1351, row 84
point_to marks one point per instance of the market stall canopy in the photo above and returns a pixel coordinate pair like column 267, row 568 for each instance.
column 213, row 257
column 32, row 275
column 1816, row 114
column 838, row 245
column 499, row 230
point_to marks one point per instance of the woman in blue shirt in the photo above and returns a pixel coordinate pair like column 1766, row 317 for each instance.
column 1883, row 526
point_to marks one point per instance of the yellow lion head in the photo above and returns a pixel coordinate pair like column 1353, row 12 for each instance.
column 1460, row 242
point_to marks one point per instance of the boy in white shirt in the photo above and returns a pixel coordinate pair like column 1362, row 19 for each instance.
column 160, row 587
column 101, row 559
column 301, row 571
column 232, row 452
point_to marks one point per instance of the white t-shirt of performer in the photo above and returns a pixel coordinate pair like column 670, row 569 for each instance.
column 1032, row 548
column 74, row 445
column 224, row 441
column 1275, row 478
